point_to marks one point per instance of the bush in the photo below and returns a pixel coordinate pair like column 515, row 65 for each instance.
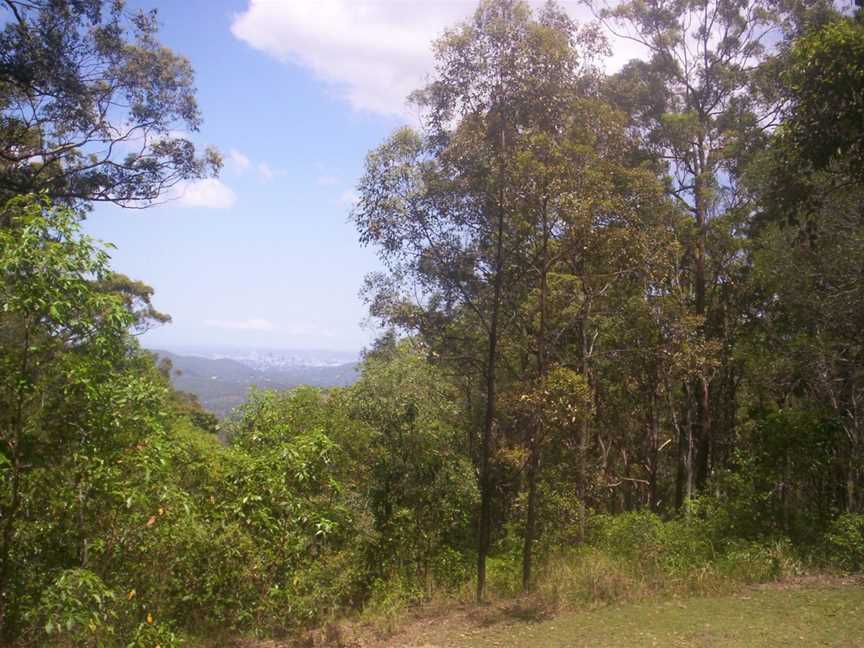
column 757, row 562
column 655, row 546
column 77, row 609
column 588, row 576
column 148, row 635
column 844, row 543
column 503, row 576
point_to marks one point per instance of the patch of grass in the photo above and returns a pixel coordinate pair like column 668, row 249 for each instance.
column 757, row 618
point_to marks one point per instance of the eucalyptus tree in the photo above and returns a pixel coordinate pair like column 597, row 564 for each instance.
column 458, row 211
column 693, row 104
column 92, row 106
column 809, row 245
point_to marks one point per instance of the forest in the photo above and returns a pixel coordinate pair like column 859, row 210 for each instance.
column 621, row 352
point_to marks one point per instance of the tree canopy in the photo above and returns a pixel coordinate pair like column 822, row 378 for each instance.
column 92, row 106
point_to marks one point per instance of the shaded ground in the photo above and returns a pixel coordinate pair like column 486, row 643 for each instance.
column 791, row 615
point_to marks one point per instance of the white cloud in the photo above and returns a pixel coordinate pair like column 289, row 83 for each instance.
column 241, row 325
column 209, row 193
column 239, row 160
column 374, row 52
column 265, row 171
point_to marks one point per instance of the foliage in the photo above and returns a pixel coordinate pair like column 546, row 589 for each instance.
column 844, row 542
column 421, row 487
column 624, row 354
column 90, row 104
column 76, row 609
column 823, row 78
column 63, row 398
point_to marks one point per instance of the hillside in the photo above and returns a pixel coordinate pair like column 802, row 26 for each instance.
column 221, row 383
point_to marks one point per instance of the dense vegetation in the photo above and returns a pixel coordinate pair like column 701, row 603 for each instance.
column 624, row 349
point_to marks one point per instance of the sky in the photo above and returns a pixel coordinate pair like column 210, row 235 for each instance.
column 294, row 93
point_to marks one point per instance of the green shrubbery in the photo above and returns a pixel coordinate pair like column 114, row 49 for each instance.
column 77, row 609
column 844, row 543
column 632, row 555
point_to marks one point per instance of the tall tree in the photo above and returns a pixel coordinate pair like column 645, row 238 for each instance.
column 447, row 209
column 693, row 107
column 809, row 241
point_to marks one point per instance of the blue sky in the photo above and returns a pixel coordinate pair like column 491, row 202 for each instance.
column 294, row 93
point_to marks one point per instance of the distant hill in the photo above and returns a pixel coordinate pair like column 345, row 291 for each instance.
column 221, row 383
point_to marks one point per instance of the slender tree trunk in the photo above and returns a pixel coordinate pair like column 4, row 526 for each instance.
column 684, row 473
column 485, row 523
column 531, row 518
column 537, row 434
column 6, row 564
column 681, row 433
column 700, row 388
column 851, row 478
column 654, row 453
column 583, row 437
column 681, row 468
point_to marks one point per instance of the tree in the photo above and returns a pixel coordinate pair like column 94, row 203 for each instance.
column 448, row 209
column 61, row 338
column 419, row 485
column 92, row 106
column 824, row 88
column 809, row 246
column 693, row 107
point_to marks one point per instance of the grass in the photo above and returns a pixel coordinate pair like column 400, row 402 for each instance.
column 769, row 617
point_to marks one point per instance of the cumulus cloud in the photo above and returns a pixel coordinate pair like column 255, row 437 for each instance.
column 373, row 52
column 241, row 325
column 209, row 193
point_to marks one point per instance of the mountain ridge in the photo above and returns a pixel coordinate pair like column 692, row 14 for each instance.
column 221, row 382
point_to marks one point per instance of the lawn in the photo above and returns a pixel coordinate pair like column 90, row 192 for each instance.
column 771, row 617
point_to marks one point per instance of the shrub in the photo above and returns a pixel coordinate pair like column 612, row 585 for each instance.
column 844, row 543
column 148, row 635
column 656, row 546
column 77, row 609
column 757, row 562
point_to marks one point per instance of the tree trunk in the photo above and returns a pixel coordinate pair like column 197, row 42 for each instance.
column 583, row 437
column 537, row 436
column 654, row 458
column 485, row 523
column 700, row 388
column 531, row 518
column 7, row 566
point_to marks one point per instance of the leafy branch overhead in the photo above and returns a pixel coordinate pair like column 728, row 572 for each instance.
column 92, row 106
